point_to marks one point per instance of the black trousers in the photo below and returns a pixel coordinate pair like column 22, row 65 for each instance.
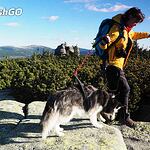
column 118, row 84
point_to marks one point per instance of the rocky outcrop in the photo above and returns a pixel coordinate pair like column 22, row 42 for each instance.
column 16, row 133
column 25, row 134
column 63, row 50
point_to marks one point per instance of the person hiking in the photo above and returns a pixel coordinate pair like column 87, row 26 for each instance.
column 118, row 54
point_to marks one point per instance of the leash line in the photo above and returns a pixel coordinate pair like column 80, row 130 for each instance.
column 80, row 66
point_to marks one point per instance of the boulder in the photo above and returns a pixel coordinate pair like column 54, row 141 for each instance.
column 138, row 138
column 19, row 133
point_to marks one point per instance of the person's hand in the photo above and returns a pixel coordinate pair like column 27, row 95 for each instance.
column 105, row 40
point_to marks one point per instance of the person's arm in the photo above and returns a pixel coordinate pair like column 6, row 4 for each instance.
column 139, row 35
column 110, row 37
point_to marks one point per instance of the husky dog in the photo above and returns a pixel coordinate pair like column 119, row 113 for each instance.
column 63, row 105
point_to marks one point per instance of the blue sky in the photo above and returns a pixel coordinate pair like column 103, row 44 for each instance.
column 51, row 22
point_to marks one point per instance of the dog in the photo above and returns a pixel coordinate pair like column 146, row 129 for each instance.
column 64, row 104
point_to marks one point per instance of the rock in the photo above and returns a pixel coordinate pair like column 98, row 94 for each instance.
column 79, row 133
column 25, row 134
column 10, row 115
column 63, row 50
column 5, row 94
column 138, row 138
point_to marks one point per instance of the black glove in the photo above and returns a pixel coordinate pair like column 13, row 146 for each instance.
column 105, row 40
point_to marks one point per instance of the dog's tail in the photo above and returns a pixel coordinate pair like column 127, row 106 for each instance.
column 48, row 110
column 48, row 107
column 43, row 115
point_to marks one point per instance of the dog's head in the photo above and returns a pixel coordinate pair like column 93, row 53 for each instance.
column 110, row 104
column 110, row 110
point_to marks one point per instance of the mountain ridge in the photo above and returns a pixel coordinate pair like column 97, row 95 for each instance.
column 27, row 51
column 23, row 51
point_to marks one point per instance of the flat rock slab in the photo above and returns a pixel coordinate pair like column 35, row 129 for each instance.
column 138, row 138
column 25, row 134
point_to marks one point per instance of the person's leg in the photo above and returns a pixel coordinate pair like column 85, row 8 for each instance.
column 124, row 90
column 118, row 84
column 112, row 76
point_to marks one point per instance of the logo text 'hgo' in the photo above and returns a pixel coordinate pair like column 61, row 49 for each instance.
column 11, row 12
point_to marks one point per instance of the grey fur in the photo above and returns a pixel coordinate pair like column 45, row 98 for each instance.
column 60, row 107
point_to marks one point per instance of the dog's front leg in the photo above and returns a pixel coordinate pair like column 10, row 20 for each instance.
column 93, row 119
column 59, row 130
column 101, row 118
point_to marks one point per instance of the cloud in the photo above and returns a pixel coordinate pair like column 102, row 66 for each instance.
column 78, row 1
column 12, row 24
column 51, row 18
column 116, row 7
column 149, row 18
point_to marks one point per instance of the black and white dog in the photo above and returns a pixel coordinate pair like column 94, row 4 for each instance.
column 63, row 105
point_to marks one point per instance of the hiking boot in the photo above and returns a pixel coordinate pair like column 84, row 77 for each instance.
column 130, row 123
column 124, row 119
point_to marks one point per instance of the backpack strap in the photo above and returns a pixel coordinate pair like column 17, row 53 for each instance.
column 121, row 35
column 98, row 38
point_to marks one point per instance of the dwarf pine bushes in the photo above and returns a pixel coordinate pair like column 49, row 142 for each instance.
column 45, row 73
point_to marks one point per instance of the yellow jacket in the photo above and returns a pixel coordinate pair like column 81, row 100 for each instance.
column 125, row 43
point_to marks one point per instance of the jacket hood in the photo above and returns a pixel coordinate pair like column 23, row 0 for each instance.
column 117, row 18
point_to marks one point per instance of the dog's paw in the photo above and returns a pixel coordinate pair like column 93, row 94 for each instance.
column 61, row 129
column 98, row 125
column 60, row 133
column 44, row 137
column 45, row 134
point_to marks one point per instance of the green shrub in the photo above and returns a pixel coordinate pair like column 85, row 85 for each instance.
column 45, row 73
